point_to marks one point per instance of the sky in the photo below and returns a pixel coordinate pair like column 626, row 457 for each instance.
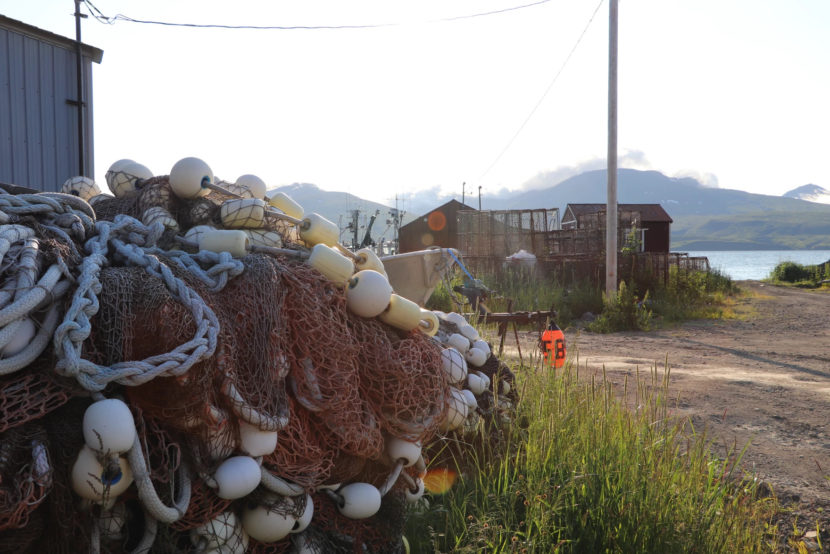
column 430, row 96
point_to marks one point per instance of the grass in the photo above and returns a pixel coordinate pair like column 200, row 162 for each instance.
column 798, row 275
column 580, row 471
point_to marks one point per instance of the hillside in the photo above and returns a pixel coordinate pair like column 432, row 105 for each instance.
column 811, row 193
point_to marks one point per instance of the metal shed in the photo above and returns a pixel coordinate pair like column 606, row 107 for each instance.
column 40, row 142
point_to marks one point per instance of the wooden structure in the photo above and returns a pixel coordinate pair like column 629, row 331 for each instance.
column 439, row 227
column 500, row 233
column 650, row 221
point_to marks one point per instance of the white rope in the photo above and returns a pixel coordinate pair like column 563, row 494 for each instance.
column 147, row 492
column 278, row 485
column 249, row 414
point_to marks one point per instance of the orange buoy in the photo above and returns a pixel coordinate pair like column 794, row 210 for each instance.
column 553, row 344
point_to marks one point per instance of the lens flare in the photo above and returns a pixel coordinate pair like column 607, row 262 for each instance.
column 439, row 481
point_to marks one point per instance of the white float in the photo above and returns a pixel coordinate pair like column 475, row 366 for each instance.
column 483, row 346
column 263, row 237
column 367, row 259
column 215, row 533
column 82, row 187
column 360, row 500
column 316, row 229
column 189, row 176
column 472, row 403
column 242, row 213
column 402, row 313
column 268, row 523
column 415, row 496
column 158, row 214
column 336, row 267
column 456, row 319
column 225, row 240
column 236, row 477
column 286, row 205
column 469, row 331
column 92, row 481
column 254, row 184
column 368, row 293
column 456, row 411
column 123, row 181
column 254, row 442
column 476, row 357
column 400, row 449
column 459, row 342
column 454, row 365
column 429, row 323
column 475, row 383
column 21, row 338
column 109, row 426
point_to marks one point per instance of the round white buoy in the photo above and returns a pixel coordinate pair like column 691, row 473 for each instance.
column 95, row 482
column 336, row 267
column 476, row 357
column 189, row 176
column 123, row 181
column 456, row 411
column 505, row 387
column 236, row 477
column 475, row 383
column 368, row 293
column 215, row 533
column 254, row 442
column 22, row 337
column 459, row 342
column 234, row 241
column 400, row 449
column 456, row 318
column 268, row 523
column 316, row 229
column 454, row 365
column 484, row 378
column 413, row 496
column 114, row 169
column 305, row 519
column 109, row 426
column 360, row 500
column 402, row 313
column 286, row 205
column 82, row 187
column 254, row 184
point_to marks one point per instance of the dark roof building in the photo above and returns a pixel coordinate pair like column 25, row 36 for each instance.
column 40, row 142
column 652, row 219
column 436, row 228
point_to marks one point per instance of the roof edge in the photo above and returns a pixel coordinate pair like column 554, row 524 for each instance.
column 91, row 52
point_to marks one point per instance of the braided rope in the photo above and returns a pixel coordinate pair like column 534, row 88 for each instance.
column 147, row 492
column 126, row 236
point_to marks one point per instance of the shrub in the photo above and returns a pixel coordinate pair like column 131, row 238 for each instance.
column 623, row 312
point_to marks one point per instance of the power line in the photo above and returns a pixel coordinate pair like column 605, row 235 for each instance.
column 544, row 94
column 99, row 16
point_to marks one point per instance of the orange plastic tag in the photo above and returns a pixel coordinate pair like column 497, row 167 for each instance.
column 554, row 341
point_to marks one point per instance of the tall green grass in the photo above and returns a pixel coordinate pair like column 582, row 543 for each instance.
column 581, row 471
column 809, row 276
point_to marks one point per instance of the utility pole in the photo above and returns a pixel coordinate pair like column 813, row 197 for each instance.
column 479, row 198
column 611, row 201
column 80, row 90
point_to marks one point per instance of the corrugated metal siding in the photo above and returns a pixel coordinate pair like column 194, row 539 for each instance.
column 38, row 128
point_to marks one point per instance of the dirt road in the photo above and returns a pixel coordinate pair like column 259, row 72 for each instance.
column 762, row 378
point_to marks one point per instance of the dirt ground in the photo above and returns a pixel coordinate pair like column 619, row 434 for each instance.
column 761, row 378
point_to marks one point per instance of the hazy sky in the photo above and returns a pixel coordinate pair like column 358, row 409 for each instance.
column 734, row 92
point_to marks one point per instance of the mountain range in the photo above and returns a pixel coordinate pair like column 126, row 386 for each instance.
column 705, row 218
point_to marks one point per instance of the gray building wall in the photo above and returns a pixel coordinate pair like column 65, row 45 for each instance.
column 38, row 121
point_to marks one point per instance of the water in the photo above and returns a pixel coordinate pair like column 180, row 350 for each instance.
column 758, row 264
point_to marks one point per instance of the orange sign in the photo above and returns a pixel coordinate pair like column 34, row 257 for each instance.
column 554, row 341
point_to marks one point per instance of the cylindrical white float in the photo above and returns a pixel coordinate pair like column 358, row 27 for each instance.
column 94, row 482
column 225, row 240
column 368, row 293
column 263, row 237
column 454, row 365
column 286, row 205
column 316, row 229
column 336, row 267
column 360, row 500
column 254, row 184
column 109, row 426
column 367, row 259
column 237, row 477
column 242, row 213
column 194, row 234
column 189, row 176
column 429, row 323
column 402, row 313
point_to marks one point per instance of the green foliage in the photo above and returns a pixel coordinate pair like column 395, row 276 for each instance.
column 586, row 473
column 692, row 295
column 807, row 275
column 623, row 312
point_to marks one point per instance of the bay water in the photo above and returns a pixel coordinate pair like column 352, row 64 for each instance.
column 758, row 264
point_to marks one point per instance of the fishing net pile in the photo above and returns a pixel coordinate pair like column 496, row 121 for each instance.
column 178, row 374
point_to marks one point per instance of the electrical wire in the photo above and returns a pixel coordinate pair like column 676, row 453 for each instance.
column 544, row 94
column 100, row 17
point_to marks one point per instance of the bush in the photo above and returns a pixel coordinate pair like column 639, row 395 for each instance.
column 791, row 272
column 623, row 312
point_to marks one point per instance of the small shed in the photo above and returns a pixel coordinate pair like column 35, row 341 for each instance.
column 652, row 219
column 439, row 227
column 40, row 139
